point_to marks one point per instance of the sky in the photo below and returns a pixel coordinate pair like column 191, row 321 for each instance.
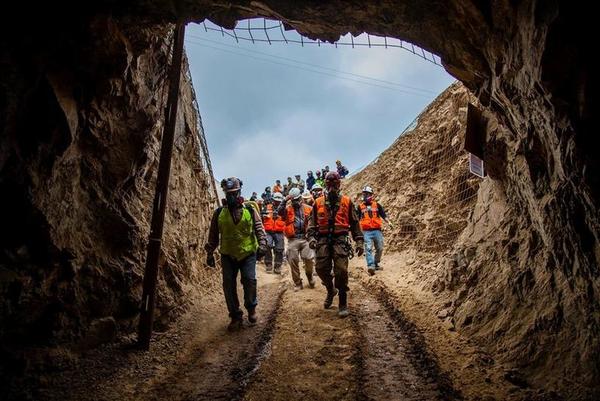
column 273, row 111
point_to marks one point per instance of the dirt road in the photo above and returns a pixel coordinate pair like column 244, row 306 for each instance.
column 298, row 350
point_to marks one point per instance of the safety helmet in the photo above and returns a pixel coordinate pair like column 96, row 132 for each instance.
column 278, row 197
column 231, row 184
column 338, row 162
column 306, row 195
column 260, row 201
column 367, row 189
column 332, row 180
column 317, row 186
column 295, row 193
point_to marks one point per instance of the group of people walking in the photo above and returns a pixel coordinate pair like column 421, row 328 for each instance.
column 317, row 228
column 305, row 186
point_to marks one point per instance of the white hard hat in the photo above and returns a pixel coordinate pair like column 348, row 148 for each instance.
column 278, row 196
column 368, row 189
column 307, row 195
column 317, row 186
column 295, row 193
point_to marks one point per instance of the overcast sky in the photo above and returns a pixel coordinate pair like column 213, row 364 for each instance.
column 270, row 117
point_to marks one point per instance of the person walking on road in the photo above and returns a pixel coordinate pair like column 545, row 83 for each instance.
column 310, row 180
column 320, row 180
column 316, row 191
column 296, row 214
column 238, row 232
column 274, row 226
column 267, row 196
column 342, row 170
column 299, row 183
column 332, row 219
column 372, row 215
column 308, row 199
column 289, row 185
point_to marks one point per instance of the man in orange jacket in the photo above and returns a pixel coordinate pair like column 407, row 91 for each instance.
column 296, row 214
column 274, row 227
column 372, row 215
column 332, row 219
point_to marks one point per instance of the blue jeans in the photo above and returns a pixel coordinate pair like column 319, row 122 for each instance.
column 373, row 237
column 247, row 267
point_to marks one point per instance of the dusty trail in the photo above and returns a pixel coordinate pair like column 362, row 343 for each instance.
column 196, row 360
column 298, row 350
column 369, row 356
column 395, row 363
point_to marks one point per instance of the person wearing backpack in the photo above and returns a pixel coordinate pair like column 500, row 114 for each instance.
column 238, row 231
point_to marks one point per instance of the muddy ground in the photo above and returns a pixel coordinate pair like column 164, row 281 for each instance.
column 394, row 346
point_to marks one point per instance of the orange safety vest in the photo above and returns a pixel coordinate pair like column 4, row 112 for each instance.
column 290, row 230
column 342, row 217
column 268, row 221
column 277, row 188
column 372, row 220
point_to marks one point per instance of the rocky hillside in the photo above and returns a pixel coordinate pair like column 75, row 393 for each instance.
column 78, row 165
column 422, row 180
column 486, row 262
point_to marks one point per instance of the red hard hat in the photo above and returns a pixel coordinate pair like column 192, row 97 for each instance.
column 332, row 179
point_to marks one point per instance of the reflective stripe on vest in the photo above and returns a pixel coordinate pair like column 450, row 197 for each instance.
column 372, row 221
column 237, row 240
column 268, row 220
column 342, row 217
column 290, row 230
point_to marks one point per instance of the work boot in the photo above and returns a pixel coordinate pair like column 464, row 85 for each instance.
column 298, row 287
column 343, row 306
column 269, row 269
column 378, row 266
column 235, row 324
column 331, row 292
column 311, row 282
column 371, row 270
column 252, row 318
column 277, row 270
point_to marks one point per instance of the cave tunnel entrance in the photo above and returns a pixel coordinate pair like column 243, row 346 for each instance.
column 526, row 292
column 265, row 155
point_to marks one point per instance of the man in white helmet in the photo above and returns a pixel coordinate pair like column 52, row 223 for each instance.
column 316, row 191
column 274, row 226
column 372, row 215
column 296, row 214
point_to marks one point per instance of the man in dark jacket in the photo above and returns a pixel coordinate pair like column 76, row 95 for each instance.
column 310, row 180
column 342, row 170
column 242, row 240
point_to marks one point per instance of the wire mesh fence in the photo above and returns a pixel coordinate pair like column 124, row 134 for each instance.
column 261, row 30
column 423, row 179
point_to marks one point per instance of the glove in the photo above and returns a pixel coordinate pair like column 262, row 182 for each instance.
column 360, row 249
column 312, row 244
column 261, row 252
column 210, row 260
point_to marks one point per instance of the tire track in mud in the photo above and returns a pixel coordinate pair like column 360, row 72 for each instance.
column 396, row 363
column 221, row 369
column 372, row 355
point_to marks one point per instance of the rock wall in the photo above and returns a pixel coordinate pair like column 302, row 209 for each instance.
column 82, row 119
column 528, row 62
column 481, row 257
column 422, row 180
